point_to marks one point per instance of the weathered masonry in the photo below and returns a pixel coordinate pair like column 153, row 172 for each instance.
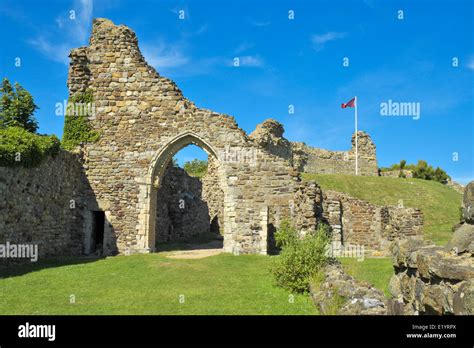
column 144, row 120
column 304, row 158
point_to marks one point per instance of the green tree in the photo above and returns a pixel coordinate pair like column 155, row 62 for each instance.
column 196, row 168
column 402, row 164
column 422, row 170
column 17, row 107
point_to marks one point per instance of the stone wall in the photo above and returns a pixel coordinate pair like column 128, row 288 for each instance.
column 468, row 203
column 340, row 294
column 454, row 185
column 45, row 205
column 358, row 222
column 396, row 173
column 307, row 159
column 213, row 195
column 313, row 160
column 269, row 135
column 181, row 212
column 353, row 221
column 430, row 279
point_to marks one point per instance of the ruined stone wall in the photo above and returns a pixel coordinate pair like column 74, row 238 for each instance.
column 181, row 213
column 44, row 205
column 269, row 135
column 305, row 209
column 144, row 120
column 357, row 222
column 360, row 220
column 307, row 159
column 313, row 160
column 213, row 195
column 430, row 279
column 396, row 173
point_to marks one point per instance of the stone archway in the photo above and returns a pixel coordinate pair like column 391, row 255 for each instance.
column 144, row 119
column 156, row 173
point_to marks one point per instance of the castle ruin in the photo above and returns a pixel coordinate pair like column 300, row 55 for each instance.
column 121, row 186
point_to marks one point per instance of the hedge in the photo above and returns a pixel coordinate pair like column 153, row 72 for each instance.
column 18, row 147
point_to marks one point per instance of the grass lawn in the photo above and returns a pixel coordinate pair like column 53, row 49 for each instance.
column 148, row 284
column 377, row 271
column 440, row 204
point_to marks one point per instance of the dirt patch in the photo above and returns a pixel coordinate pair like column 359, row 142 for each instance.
column 193, row 254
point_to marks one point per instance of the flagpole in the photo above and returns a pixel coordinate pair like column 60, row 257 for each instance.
column 356, row 139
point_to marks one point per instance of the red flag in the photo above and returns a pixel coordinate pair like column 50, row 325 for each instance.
column 349, row 104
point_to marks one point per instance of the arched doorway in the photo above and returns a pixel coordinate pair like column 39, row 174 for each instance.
column 156, row 175
column 189, row 203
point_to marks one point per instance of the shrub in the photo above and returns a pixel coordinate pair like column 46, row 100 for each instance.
column 300, row 258
column 422, row 170
column 77, row 128
column 20, row 147
column 286, row 234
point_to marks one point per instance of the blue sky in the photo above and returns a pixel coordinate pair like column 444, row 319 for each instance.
column 282, row 62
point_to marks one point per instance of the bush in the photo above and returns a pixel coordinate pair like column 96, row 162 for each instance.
column 20, row 147
column 286, row 234
column 300, row 258
column 422, row 170
column 77, row 128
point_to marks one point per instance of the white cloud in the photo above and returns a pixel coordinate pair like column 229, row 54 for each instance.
column 67, row 34
column 251, row 61
column 260, row 24
column 319, row 40
column 244, row 46
column 83, row 18
column 163, row 55
column 56, row 52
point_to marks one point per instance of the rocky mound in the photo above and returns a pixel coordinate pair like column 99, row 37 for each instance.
column 430, row 279
column 341, row 294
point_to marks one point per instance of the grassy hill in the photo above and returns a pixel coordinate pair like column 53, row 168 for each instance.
column 148, row 284
column 440, row 204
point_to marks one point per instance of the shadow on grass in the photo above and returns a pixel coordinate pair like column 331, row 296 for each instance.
column 20, row 268
column 202, row 242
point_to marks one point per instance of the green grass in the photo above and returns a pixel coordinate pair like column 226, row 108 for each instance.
column 440, row 204
column 376, row 271
column 148, row 284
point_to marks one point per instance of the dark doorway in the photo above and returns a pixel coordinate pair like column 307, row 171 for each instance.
column 97, row 240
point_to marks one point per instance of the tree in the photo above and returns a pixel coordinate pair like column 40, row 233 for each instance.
column 401, row 174
column 196, row 168
column 402, row 164
column 17, row 107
